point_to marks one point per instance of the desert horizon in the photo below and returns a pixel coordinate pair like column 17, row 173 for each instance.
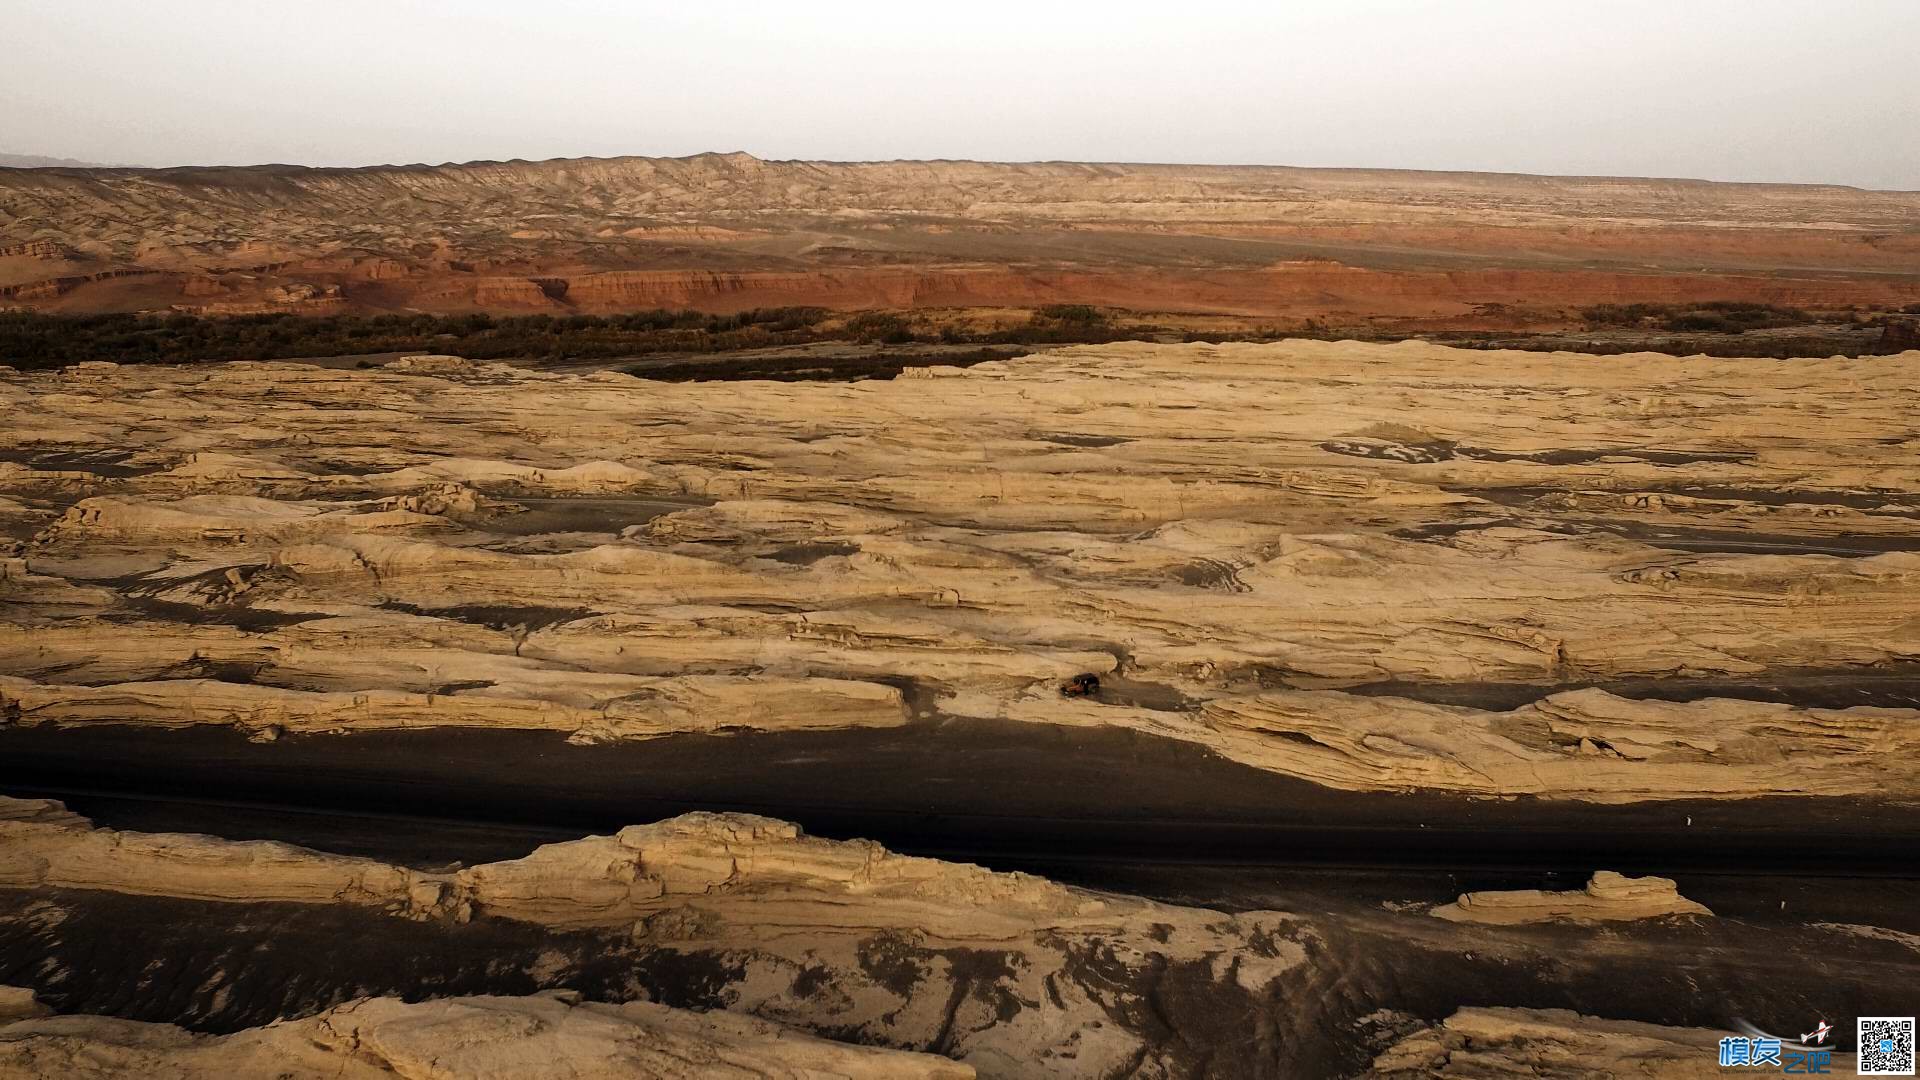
column 40, row 161
column 965, row 248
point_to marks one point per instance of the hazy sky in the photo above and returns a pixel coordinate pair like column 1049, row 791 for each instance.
column 1722, row 89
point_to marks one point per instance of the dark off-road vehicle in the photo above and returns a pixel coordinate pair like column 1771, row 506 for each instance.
column 1085, row 685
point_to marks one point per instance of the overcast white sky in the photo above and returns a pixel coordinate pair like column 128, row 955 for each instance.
column 1721, row 89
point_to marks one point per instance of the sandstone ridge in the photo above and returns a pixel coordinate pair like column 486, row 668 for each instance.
column 1006, row 972
column 1608, row 897
column 529, row 1038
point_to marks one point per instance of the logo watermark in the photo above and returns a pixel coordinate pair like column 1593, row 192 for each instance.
column 1886, row 1048
column 1809, row 1056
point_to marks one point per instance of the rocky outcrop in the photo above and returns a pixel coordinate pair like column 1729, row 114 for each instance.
column 19, row 1003
column 49, row 250
column 586, row 708
column 544, row 1037
column 1010, row 973
column 303, row 958
column 1584, row 744
column 56, row 287
column 46, row 847
column 1608, row 897
column 626, row 879
column 304, row 293
column 1899, row 335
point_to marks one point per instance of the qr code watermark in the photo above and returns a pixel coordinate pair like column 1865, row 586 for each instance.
column 1886, row 1045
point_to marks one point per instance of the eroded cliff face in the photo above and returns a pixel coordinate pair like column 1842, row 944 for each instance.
column 1376, row 568
column 1011, row 973
column 728, row 232
column 736, row 945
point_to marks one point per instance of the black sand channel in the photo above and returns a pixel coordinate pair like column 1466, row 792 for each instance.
column 957, row 788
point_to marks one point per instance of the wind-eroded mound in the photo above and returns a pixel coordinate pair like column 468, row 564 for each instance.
column 1608, row 897
column 1006, row 971
column 549, row 1037
column 600, row 881
column 589, row 954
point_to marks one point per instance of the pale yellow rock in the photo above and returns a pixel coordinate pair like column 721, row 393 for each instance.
column 1608, row 897
column 544, row 1037
column 432, row 364
column 590, row 707
column 19, row 1003
column 1241, row 531
column 885, row 930
column 1584, row 744
column 221, row 519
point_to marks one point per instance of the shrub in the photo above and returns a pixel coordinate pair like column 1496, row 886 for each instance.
column 1084, row 314
column 1702, row 321
column 1708, row 316
column 885, row 327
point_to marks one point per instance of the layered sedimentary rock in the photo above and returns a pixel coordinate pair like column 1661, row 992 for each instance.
column 573, row 954
column 1608, row 897
column 533, row 1038
column 727, row 232
column 611, row 707
column 1400, row 568
column 618, row 880
column 1007, row 972
column 1583, row 744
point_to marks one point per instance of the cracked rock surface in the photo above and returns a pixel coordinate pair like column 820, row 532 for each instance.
column 1375, row 568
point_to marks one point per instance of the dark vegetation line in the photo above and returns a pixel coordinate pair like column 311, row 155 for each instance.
column 1718, row 316
column 37, row 341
